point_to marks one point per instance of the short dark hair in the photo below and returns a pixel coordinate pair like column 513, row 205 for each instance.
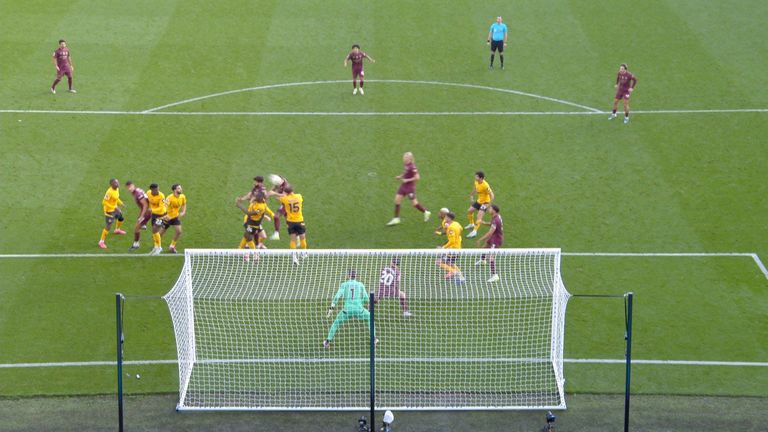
column 624, row 65
column 451, row 215
column 260, row 196
column 259, row 179
column 153, row 186
column 355, row 46
column 352, row 273
column 61, row 40
column 128, row 183
column 112, row 180
column 396, row 261
column 495, row 208
column 288, row 189
column 480, row 174
column 174, row 186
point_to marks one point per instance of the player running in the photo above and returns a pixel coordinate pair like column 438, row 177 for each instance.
column 389, row 286
column 355, row 296
column 110, row 204
column 157, row 207
column 625, row 85
column 293, row 204
column 408, row 180
column 144, row 213
column 447, row 262
column 176, row 204
column 63, row 62
column 493, row 240
column 254, row 214
column 482, row 190
column 356, row 57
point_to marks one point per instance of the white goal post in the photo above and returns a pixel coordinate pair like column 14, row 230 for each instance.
column 250, row 329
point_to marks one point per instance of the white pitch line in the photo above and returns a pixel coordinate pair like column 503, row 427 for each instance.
column 426, row 359
column 760, row 264
column 440, row 83
column 752, row 255
column 370, row 114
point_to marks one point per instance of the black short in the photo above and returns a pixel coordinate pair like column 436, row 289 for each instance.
column 497, row 46
column 171, row 222
column 110, row 217
column 157, row 220
column 252, row 229
column 477, row 206
column 297, row 228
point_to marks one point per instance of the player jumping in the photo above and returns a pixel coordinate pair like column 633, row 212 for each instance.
column 144, row 213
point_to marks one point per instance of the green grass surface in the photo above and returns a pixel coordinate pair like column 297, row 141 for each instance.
column 686, row 182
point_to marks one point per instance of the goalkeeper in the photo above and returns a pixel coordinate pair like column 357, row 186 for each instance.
column 355, row 296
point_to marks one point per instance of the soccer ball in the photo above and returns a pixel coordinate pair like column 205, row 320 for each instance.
column 275, row 179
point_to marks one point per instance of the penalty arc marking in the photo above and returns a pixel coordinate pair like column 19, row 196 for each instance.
column 385, row 81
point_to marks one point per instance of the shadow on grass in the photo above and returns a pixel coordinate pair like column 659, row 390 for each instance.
column 585, row 413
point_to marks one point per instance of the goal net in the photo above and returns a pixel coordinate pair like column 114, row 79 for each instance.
column 250, row 329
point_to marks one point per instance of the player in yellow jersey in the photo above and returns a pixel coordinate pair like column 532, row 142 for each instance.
column 110, row 204
column 176, row 204
column 255, row 213
column 481, row 197
column 293, row 204
column 447, row 262
column 441, row 228
column 157, row 207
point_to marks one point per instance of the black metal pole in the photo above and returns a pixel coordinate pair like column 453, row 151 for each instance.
column 628, row 337
column 372, row 331
column 119, row 319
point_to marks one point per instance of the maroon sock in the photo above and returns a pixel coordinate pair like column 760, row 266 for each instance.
column 136, row 236
column 493, row 267
column 69, row 82
column 354, row 83
column 277, row 223
column 361, row 83
column 397, row 210
column 404, row 304
column 53, row 86
column 420, row 208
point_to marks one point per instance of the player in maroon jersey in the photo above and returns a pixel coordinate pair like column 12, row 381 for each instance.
column 279, row 188
column 625, row 85
column 493, row 240
column 257, row 188
column 145, row 214
column 356, row 57
column 389, row 286
column 63, row 62
column 408, row 180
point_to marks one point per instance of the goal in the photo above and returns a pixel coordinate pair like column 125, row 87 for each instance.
column 250, row 330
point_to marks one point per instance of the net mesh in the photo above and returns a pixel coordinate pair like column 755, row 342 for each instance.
column 250, row 330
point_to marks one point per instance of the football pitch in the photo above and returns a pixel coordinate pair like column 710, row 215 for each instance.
column 671, row 206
